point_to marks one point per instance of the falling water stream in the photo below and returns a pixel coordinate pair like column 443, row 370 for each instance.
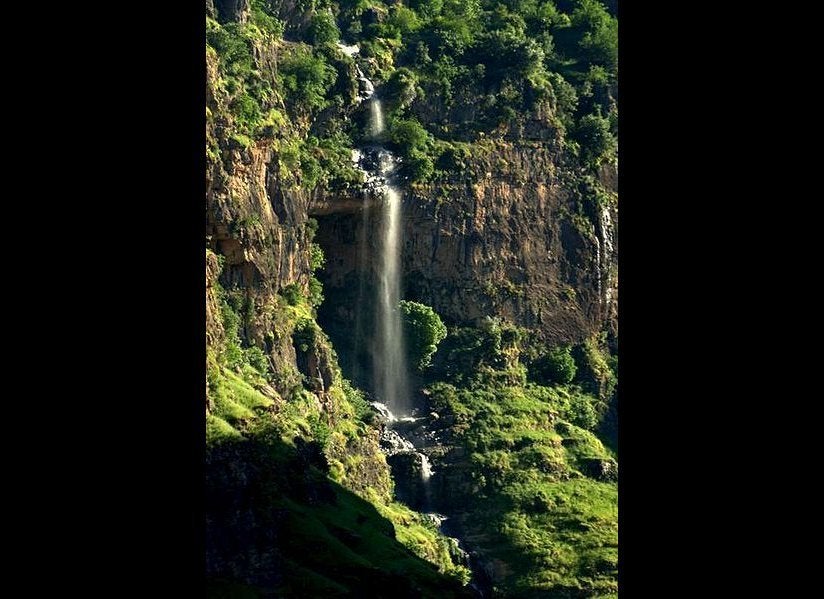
column 391, row 380
column 389, row 356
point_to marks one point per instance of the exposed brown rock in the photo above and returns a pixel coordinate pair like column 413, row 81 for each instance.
column 507, row 241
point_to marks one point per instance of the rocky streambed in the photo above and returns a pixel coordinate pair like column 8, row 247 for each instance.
column 412, row 445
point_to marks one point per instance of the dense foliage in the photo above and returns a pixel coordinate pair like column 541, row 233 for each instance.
column 453, row 71
column 466, row 69
column 424, row 331
column 539, row 495
column 289, row 449
column 555, row 366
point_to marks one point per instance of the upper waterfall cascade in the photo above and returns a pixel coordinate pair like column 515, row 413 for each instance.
column 379, row 164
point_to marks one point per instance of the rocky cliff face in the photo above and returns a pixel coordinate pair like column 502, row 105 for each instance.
column 257, row 227
column 510, row 244
column 515, row 233
column 514, row 237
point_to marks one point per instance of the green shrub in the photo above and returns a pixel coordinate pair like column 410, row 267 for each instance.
column 418, row 166
column 316, row 257
column 424, row 331
column 306, row 78
column 594, row 135
column 582, row 412
column 305, row 334
column 466, row 349
column 556, row 366
column 292, row 294
column 453, row 157
column 403, row 20
column 566, row 98
column 320, row 429
column 323, row 29
column 415, row 145
column 402, row 88
column 246, row 111
column 599, row 43
column 363, row 411
column 408, row 134
column 315, row 292
column 265, row 19
column 255, row 356
column 310, row 169
column 232, row 355
column 311, row 228
column 232, row 48
column 427, row 8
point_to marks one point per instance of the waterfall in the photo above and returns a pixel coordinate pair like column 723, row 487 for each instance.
column 401, row 440
column 389, row 359
column 368, row 88
column 426, row 469
column 391, row 382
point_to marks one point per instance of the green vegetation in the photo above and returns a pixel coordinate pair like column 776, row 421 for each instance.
column 412, row 142
column 555, row 366
column 318, row 538
column 424, row 331
column 292, row 294
column 594, row 135
column 463, row 69
column 454, row 72
column 354, row 535
column 306, row 78
column 272, row 90
column 286, row 432
column 323, row 29
column 540, row 494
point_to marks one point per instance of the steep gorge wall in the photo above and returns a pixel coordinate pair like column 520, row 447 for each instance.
column 257, row 225
column 510, row 241
column 512, row 238
column 510, row 235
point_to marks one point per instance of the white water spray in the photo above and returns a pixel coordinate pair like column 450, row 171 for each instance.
column 426, row 469
column 376, row 122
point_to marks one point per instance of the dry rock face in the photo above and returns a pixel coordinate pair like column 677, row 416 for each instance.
column 505, row 246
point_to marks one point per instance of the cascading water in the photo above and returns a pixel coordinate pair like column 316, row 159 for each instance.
column 391, row 382
column 389, row 361
column 391, row 378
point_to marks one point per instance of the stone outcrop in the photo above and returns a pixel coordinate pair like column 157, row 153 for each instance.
column 600, row 469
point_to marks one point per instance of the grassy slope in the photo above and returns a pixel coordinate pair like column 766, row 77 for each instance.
column 327, row 541
column 337, row 545
column 548, row 529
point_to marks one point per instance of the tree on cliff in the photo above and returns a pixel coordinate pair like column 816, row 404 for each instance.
column 424, row 331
